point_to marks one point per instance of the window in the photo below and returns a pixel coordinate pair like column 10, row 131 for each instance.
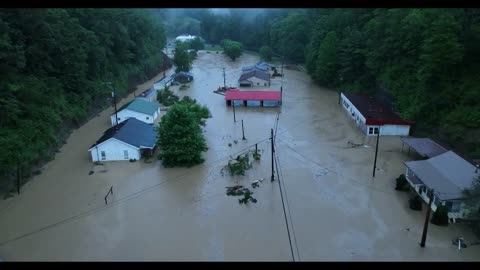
column 103, row 155
column 265, row 84
column 125, row 154
column 148, row 117
column 422, row 189
column 375, row 131
column 258, row 83
column 370, row 130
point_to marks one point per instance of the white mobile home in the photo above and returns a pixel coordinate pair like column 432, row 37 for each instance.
column 372, row 117
column 138, row 108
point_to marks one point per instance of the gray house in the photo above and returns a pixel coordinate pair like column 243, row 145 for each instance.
column 254, row 77
column 448, row 175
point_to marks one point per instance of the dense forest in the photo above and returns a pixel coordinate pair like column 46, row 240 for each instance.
column 424, row 62
column 53, row 67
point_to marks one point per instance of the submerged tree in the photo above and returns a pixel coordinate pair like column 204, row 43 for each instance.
column 232, row 48
column 180, row 135
column 182, row 59
column 266, row 53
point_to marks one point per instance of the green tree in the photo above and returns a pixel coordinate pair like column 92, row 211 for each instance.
column 180, row 135
column 197, row 44
column 232, row 48
column 327, row 62
column 472, row 205
column 266, row 53
column 181, row 58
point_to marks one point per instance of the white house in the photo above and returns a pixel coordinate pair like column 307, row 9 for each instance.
column 254, row 77
column 371, row 116
column 138, row 108
column 127, row 140
column 448, row 175
column 184, row 38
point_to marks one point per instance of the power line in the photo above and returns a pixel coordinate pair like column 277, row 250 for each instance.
column 131, row 196
column 288, row 204
column 124, row 199
column 285, row 213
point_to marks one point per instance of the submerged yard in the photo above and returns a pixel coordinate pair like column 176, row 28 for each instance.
column 338, row 211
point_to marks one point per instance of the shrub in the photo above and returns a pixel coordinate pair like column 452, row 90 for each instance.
column 415, row 203
column 440, row 216
column 402, row 184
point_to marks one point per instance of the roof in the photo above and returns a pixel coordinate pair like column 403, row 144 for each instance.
column 131, row 131
column 247, row 68
column 374, row 112
column 160, row 84
column 183, row 73
column 448, row 174
column 264, row 64
column 252, row 95
column 147, row 92
column 255, row 73
column 141, row 106
column 424, row 146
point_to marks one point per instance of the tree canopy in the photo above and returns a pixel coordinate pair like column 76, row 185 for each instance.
column 266, row 53
column 53, row 65
column 181, row 58
column 180, row 136
column 232, row 49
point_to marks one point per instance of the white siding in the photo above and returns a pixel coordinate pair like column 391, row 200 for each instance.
column 114, row 150
column 359, row 119
column 354, row 114
column 126, row 113
column 400, row 130
column 258, row 82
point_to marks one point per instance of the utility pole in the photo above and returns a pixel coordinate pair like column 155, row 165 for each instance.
column 233, row 105
column 281, row 93
column 243, row 131
column 19, row 175
column 115, row 104
column 224, row 83
column 273, row 150
column 376, row 152
column 114, row 96
column 427, row 218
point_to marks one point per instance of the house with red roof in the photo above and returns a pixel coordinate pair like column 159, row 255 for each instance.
column 372, row 117
column 264, row 98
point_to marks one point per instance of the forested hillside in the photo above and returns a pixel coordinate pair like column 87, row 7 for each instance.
column 53, row 65
column 425, row 60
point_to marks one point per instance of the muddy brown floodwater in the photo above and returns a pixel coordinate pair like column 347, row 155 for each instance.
column 338, row 211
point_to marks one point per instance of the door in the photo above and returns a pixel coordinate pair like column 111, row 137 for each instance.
column 125, row 154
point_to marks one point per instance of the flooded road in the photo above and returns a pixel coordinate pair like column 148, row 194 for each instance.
column 338, row 211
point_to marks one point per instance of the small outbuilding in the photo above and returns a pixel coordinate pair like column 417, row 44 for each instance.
column 128, row 140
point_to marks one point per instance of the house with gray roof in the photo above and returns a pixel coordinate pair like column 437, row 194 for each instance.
column 128, row 140
column 254, row 77
column 138, row 108
column 448, row 175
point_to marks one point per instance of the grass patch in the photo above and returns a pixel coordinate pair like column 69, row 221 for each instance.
column 213, row 48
